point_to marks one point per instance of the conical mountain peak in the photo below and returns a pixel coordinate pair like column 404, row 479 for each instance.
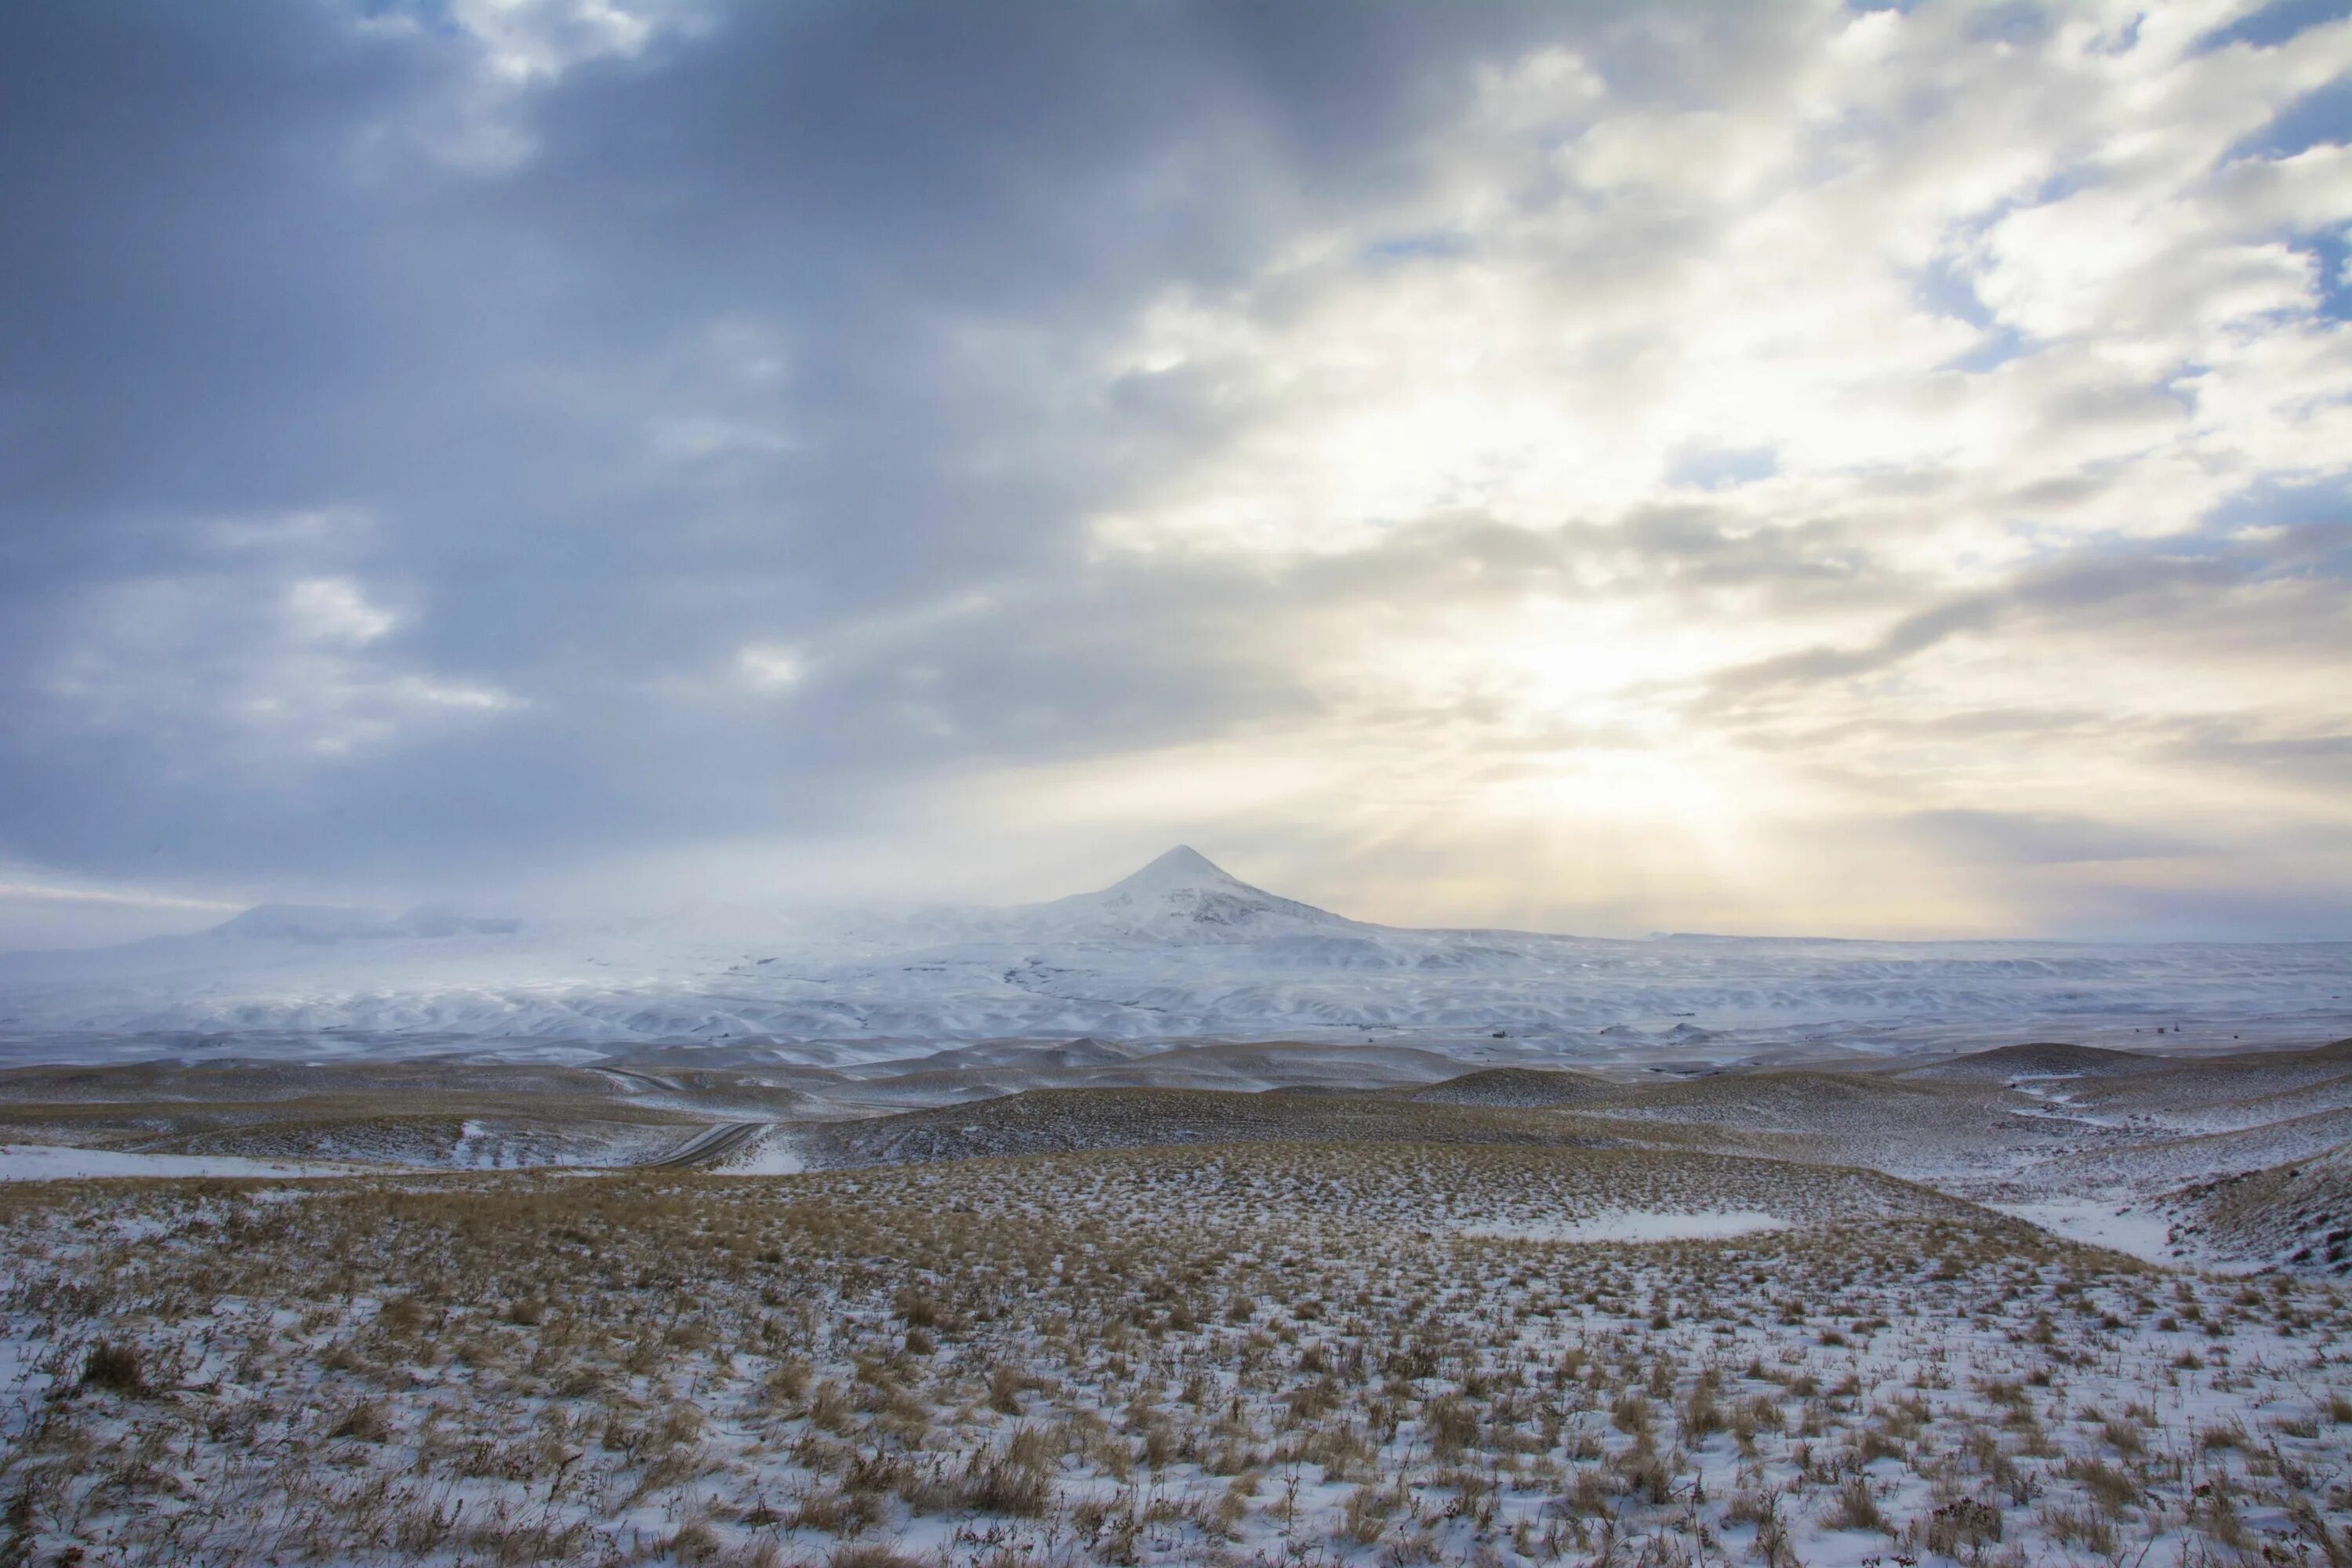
column 1184, row 895
column 1182, row 867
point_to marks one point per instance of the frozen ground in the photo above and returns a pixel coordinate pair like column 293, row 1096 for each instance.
column 2113, row 1152
column 1246, row 1354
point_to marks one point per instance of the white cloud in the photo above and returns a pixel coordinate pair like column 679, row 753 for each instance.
column 538, row 40
column 1755, row 278
column 233, row 669
column 334, row 610
column 40, row 908
column 53, row 892
column 770, row 667
column 516, row 48
column 1983, row 303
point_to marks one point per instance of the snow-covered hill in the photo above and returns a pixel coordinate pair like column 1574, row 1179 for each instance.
column 1179, row 949
column 1183, row 895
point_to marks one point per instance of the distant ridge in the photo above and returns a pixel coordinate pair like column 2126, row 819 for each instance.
column 1512, row 1086
column 329, row 923
column 1178, row 950
column 2036, row 1059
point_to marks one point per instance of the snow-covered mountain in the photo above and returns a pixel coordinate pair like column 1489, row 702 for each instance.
column 1179, row 949
column 1183, row 895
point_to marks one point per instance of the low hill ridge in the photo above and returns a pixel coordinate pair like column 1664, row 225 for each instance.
column 1529, row 1087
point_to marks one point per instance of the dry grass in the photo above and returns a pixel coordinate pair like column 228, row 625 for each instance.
column 1288, row 1352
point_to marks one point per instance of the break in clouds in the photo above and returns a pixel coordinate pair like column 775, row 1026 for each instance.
column 1760, row 467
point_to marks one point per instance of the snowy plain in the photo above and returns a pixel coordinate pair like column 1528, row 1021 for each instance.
column 1214, row 1356
column 1179, row 950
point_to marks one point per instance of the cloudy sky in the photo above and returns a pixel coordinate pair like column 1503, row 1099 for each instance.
column 1756, row 466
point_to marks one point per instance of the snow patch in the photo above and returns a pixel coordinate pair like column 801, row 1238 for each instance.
column 773, row 1155
column 2116, row 1227
column 50, row 1162
column 1637, row 1225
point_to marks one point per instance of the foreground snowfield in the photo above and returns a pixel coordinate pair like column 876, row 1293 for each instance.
column 1179, row 948
column 1271, row 1354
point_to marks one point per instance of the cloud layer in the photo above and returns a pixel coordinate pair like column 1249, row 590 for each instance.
column 1778, row 467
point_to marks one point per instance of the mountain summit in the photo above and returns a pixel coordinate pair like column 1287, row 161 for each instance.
column 1182, row 867
column 1183, row 895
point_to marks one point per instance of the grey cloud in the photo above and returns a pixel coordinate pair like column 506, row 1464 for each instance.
column 238, row 290
column 2088, row 588
column 1705, row 550
column 1912, row 634
column 2276, row 908
column 2317, row 760
column 2021, row 838
column 1685, row 550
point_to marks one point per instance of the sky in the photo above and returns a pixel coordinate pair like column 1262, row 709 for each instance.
column 1768, row 468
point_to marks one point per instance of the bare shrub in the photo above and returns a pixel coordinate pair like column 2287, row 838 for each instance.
column 1853, row 1508
column 113, row 1365
column 366, row 1422
column 1962, row 1526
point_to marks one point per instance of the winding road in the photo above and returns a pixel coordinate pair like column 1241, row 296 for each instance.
column 710, row 1146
